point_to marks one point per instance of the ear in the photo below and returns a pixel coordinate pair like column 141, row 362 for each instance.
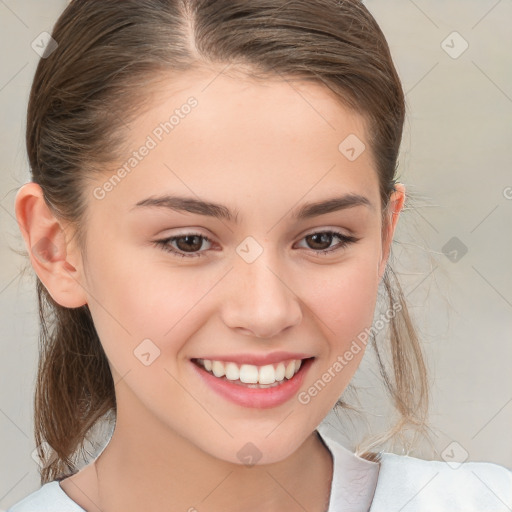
column 51, row 255
column 396, row 203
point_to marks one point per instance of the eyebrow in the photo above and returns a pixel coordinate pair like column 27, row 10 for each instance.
column 220, row 211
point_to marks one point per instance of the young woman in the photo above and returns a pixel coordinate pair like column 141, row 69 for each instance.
column 210, row 217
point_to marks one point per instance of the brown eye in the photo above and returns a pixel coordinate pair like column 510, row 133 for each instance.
column 321, row 241
column 317, row 241
column 187, row 245
column 190, row 243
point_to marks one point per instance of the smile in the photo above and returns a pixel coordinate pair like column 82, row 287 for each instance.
column 250, row 374
column 253, row 386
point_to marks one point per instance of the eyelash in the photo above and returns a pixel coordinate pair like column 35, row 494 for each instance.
column 345, row 241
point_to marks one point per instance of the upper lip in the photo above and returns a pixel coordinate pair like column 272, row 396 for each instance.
column 258, row 359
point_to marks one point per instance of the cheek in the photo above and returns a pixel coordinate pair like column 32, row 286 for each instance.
column 133, row 303
column 344, row 306
column 344, row 301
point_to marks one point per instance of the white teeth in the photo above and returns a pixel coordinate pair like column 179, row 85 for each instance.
column 290, row 370
column 267, row 375
column 251, row 374
column 280, row 371
column 232, row 371
column 218, row 369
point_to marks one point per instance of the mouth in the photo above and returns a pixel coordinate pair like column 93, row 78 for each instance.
column 252, row 376
column 253, row 386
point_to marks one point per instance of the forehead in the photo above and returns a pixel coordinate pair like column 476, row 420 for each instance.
column 226, row 138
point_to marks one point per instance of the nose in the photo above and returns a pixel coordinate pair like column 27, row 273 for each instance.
column 260, row 299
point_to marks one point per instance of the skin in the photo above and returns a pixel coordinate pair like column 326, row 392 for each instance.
column 262, row 149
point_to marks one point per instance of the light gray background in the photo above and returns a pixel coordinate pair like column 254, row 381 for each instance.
column 455, row 159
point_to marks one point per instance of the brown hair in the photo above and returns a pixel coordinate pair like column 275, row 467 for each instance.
column 107, row 54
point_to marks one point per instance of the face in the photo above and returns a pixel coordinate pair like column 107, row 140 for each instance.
column 250, row 280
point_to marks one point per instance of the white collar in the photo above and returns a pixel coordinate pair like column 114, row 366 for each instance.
column 354, row 479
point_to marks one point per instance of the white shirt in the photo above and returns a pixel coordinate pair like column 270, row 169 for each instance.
column 396, row 483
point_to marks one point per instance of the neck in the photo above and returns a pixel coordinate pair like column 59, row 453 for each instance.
column 149, row 467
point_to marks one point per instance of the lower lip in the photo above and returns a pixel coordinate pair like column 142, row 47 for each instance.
column 260, row 398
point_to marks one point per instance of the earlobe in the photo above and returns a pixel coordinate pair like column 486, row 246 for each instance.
column 48, row 247
column 396, row 204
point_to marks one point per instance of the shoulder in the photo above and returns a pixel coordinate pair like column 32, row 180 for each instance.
column 49, row 498
column 411, row 484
